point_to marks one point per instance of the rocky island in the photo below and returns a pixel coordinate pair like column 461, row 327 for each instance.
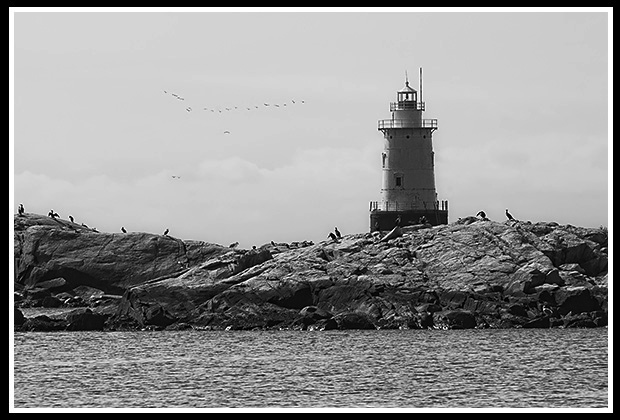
column 472, row 273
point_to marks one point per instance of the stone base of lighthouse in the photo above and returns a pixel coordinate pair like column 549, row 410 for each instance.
column 386, row 220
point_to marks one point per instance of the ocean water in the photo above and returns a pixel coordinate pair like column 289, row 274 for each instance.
column 407, row 369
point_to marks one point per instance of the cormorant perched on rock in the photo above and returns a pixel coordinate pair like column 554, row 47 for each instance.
column 53, row 214
column 509, row 216
column 333, row 237
column 233, row 245
column 123, row 229
column 166, row 232
column 20, row 209
column 337, row 232
column 71, row 218
column 273, row 243
column 547, row 310
column 482, row 214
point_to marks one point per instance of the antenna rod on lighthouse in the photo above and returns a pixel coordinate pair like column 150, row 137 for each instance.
column 420, row 84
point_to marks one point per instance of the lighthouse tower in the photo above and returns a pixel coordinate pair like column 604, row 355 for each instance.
column 408, row 186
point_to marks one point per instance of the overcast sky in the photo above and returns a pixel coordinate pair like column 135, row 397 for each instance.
column 521, row 100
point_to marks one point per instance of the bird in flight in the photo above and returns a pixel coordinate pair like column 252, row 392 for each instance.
column 226, row 132
column 176, row 176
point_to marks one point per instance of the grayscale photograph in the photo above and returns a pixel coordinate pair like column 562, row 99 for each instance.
column 374, row 209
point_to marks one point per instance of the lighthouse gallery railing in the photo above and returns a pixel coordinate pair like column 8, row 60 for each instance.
column 425, row 123
column 411, row 205
column 407, row 105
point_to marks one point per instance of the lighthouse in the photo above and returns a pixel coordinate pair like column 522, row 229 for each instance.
column 408, row 194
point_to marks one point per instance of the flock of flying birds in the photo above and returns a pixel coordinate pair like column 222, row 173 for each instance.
column 226, row 109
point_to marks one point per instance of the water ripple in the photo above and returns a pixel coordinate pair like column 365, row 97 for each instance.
column 406, row 369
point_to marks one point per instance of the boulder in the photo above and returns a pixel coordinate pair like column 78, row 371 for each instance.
column 312, row 314
column 43, row 323
column 49, row 248
column 581, row 320
column 530, row 275
column 51, row 302
column 353, row 321
column 18, row 317
column 575, row 300
column 84, row 319
column 55, row 284
column 158, row 316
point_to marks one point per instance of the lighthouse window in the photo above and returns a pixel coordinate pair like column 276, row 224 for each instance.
column 399, row 181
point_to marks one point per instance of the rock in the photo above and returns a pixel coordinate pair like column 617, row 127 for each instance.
column 158, row 316
column 527, row 277
column 517, row 309
column 84, row 319
column 43, row 323
column 539, row 322
column 581, row 320
column 87, row 293
column 312, row 314
column 55, row 284
column 575, row 300
column 324, row 325
column 353, row 321
column 51, row 302
column 49, row 248
column 394, row 233
column 572, row 267
column 475, row 273
column 423, row 320
column 36, row 294
column 454, row 319
column 18, row 317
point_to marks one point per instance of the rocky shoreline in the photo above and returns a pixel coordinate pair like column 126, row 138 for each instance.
column 472, row 273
